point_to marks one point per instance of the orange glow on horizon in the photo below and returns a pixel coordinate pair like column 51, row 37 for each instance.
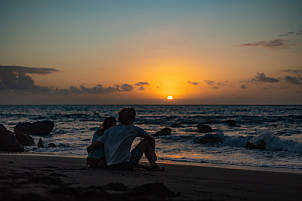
column 170, row 77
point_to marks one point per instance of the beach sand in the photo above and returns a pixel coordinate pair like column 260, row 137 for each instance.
column 36, row 177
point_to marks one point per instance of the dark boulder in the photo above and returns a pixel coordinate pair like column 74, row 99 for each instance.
column 175, row 125
column 8, row 141
column 40, row 128
column 204, row 128
column 25, row 139
column 230, row 122
column 164, row 131
column 259, row 145
column 210, row 139
column 52, row 145
column 40, row 143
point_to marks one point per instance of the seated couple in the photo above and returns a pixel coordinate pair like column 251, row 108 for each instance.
column 111, row 145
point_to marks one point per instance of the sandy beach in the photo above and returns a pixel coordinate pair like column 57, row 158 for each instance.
column 34, row 177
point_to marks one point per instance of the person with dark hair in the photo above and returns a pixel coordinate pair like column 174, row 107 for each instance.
column 96, row 158
column 117, row 142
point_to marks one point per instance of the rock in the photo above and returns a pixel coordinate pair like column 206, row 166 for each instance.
column 51, row 145
column 164, row 131
column 8, row 141
column 230, row 122
column 40, row 143
column 259, row 145
column 210, row 139
column 204, row 128
column 24, row 139
column 175, row 125
column 40, row 128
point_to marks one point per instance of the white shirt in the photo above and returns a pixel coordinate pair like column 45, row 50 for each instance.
column 117, row 142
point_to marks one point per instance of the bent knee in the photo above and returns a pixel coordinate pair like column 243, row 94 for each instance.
column 144, row 144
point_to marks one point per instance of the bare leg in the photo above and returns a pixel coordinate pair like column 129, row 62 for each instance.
column 148, row 150
column 152, row 143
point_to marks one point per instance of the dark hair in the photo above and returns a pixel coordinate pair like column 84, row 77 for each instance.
column 127, row 115
column 108, row 122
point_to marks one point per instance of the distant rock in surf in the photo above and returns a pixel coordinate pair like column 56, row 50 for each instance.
column 175, row 125
column 40, row 143
column 51, row 145
column 260, row 145
column 204, row 128
column 40, row 128
column 162, row 132
column 8, row 141
column 25, row 139
column 230, row 122
column 210, row 139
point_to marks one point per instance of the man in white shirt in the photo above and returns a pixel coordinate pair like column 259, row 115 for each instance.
column 117, row 143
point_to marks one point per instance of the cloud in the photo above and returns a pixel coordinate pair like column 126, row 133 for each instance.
column 98, row 89
column 292, row 80
column 215, row 85
column 261, row 77
column 15, row 79
column 125, row 87
column 275, row 44
column 141, row 85
column 221, row 84
column 294, row 71
column 209, row 82
column 192, row 83
column 24, row 70
column 293, row 33
column 243, row 86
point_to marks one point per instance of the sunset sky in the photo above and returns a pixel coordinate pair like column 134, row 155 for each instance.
column 140, row 52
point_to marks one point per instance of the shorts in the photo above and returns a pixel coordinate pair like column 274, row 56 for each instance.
column 136, row 155
column 92, row 162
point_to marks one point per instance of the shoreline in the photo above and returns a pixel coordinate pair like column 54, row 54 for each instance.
column 41, row 175
column 144, row 160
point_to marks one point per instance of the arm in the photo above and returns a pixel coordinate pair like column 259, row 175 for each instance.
column 146, row 136
column 149, row 137
column 94, row 146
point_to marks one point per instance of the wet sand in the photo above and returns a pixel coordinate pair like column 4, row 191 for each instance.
column 34, row 177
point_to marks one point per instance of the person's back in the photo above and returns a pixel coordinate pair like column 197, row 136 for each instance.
column 117, row 143
column 98, row 153
column 118, row 140
column 96, row 158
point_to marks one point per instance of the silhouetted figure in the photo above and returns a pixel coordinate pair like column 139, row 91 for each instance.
column 117, row 143
column 96, row 158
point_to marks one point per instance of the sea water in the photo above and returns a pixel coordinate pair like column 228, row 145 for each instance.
column 279, row 126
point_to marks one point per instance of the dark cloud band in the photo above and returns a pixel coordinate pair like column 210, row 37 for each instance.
column 192, row 83
column 15, row 79
column 276, row 44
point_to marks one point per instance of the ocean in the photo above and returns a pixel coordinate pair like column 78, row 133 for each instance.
column 279, row 126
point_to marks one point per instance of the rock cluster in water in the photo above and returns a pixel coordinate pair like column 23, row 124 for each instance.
column 15, row 142
column 40, row 128
column 8, row 141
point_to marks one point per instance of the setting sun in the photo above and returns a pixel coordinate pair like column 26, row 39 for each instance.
column 170, row 97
